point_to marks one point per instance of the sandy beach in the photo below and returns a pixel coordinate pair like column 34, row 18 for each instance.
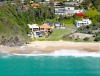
column 50, row 46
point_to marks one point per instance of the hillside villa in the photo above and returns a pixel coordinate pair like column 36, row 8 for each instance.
column 83, row 22
column 67, row 11
column 55, row 25
column 66, row 3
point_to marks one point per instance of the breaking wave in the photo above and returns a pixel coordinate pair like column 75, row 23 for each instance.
column 76, row 53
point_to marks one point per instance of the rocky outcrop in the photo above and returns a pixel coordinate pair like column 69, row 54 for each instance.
column 13, row 41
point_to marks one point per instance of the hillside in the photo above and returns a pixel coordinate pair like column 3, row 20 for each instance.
column 12, row 23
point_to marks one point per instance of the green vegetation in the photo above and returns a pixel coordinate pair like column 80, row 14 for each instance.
column 12, row 22
column 92, row 12
column 58, row 34
column 97, row 38
column 96, row 3
column 69, row 20
column 86, row 39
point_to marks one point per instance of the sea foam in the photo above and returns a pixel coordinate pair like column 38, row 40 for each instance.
column 76, row 53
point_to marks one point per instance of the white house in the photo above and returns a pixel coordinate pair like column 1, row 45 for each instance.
column 33, row 27
column 69, row 10
column 83, row 22
column 34, row 30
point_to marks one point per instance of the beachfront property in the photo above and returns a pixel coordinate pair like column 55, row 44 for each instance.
column 34, row 30
column 33, row 27
column 83, row 22
column 45, row 28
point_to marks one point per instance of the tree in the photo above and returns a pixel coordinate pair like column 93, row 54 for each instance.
column 96, row 3
column 86, row 39
column 97, row 38
column 91, row 12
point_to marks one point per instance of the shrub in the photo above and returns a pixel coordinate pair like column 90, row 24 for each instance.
column 86, row 39
column 97, row 38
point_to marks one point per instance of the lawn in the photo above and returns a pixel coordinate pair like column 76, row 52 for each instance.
column 57, row 34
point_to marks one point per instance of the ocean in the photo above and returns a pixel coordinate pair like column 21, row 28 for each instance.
column 58, row 63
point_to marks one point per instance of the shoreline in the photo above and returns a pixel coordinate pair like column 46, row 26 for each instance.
column 51, row 46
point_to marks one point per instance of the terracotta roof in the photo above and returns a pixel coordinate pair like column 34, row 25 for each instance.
column 35, row 4
column 45, row 26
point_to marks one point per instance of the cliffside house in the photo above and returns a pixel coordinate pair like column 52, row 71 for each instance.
column 83, row 22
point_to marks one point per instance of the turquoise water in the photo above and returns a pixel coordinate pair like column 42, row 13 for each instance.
column 49, row 66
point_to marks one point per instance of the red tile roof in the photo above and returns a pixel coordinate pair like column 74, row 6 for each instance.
column 45, row 26
column 35, row 5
